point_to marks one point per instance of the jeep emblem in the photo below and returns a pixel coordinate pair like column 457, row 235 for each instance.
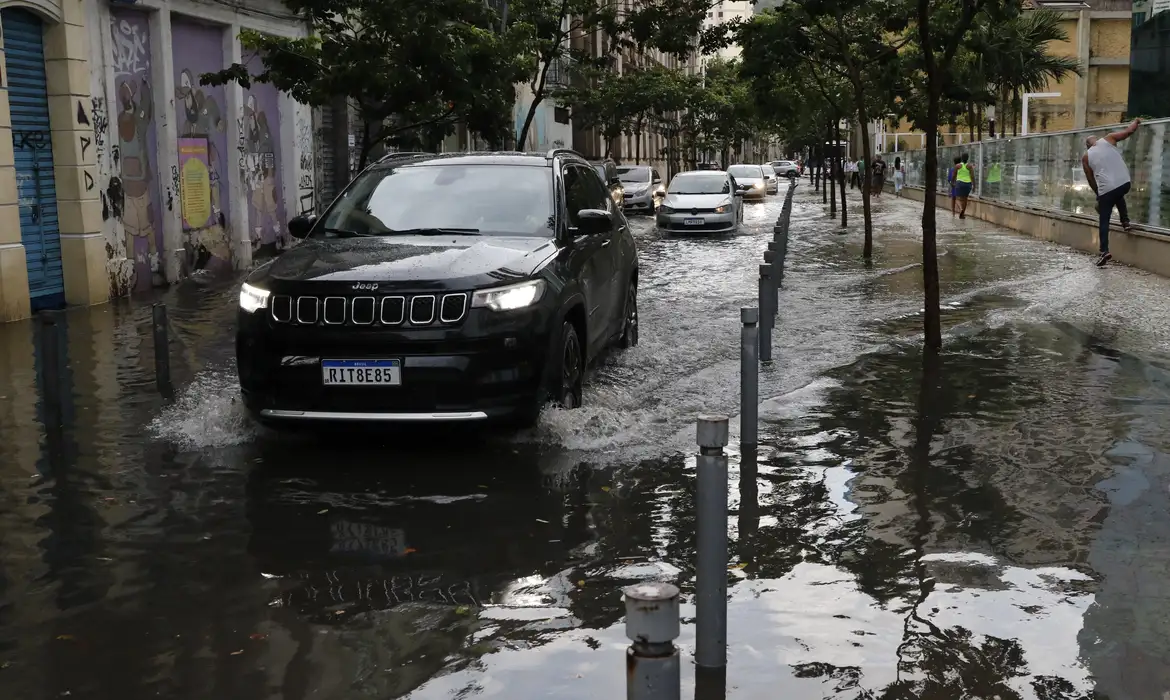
column 365, row 287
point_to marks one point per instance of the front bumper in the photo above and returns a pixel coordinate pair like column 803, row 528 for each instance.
column 642, row 201
column 711, row 223
column 491, row 366
column 754, row 194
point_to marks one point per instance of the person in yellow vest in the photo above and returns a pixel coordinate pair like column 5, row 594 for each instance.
column 964, row 177
column 994, row 178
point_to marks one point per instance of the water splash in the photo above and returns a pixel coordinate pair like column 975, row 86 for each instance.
column 208, row 413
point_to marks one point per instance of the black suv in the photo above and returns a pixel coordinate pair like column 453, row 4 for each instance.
column 455, row 287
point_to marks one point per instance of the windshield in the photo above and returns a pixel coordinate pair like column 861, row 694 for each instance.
column 511, row 200
column 634, row 174
column 700, row 183
column 746, row 171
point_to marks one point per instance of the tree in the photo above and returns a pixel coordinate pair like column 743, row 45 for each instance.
column 411, row 67
column 542, row 30
column 939, row 30
column 831, row 41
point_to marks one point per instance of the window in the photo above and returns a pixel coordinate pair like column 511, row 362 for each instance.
column 655, row 177
column 385, row 200
column 561, row 115
column 700, row 183
column 583, row 190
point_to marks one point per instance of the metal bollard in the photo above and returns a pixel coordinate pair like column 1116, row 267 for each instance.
column 162, row 355
column 653, row 671
column 749, row 379
column 711, row 567
column 767, row 316
column 50, row 337
column 777, row 248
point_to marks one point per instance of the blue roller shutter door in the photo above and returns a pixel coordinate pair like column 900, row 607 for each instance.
column 32, row 146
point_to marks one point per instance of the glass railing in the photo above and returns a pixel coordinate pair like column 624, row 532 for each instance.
column 1043, row 171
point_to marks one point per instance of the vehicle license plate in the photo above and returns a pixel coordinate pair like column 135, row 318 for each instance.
column 693, row 222
column 361, row 372
column 364, row 538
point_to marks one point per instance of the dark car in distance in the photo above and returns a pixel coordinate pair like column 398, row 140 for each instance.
column 607, row 170
column 456, row 287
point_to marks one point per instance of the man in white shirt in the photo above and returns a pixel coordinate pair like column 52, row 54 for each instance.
column 1109, row 177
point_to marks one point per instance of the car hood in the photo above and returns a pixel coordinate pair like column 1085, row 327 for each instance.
column 696, row 201
column 636, row 186
column 410, row 260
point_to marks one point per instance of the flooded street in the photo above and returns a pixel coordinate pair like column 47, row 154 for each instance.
column 995, row 526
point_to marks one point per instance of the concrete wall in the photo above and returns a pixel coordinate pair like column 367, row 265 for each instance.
column 1145, row 250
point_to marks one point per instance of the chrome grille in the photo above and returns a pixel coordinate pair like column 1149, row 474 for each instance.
column 391, row 310
column 422, row 310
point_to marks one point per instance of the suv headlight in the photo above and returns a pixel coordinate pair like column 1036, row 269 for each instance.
column 663, row 209
column 510, row 298
column 253, row 298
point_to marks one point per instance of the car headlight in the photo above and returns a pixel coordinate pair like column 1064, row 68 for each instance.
column 510, row 298
column 757, row 186
column 253, row 299
column 663, row 209
column 721, row 209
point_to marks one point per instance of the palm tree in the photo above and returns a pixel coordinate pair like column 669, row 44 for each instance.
column 1018, row 59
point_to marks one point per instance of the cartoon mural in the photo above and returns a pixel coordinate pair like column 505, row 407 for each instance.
column 260, row 165
column 133, row 192
column 198, row 49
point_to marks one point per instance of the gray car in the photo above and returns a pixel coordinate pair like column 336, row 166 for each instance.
column 751, row 180
column 644, row 188
column 701, row 201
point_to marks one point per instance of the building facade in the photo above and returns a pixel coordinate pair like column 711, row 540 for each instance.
column 725, row 11
column 120, row 171
column 1149, row 71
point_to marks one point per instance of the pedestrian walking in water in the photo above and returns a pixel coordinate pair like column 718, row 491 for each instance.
column 899, row 176
column 1109, row 177
column 951, row 185
column 964, row 181
column 879, row 176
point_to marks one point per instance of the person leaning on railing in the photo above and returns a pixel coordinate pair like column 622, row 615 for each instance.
column 1109, row 177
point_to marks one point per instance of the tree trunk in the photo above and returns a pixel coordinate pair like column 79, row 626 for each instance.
column 866, row 180
column 931, row 320
column 841, row 172
column 831, row 190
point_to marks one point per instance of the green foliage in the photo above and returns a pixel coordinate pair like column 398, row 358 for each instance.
column 540, row 33
column 413, row 68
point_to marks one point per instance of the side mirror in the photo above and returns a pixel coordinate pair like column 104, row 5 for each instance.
column 300, row 225
column 591, row 222
column 739, row 192
column 657, row 181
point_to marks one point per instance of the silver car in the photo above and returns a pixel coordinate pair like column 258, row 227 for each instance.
column 751, row 180
column 771, row 179
column 644, row 188
column 701, row 201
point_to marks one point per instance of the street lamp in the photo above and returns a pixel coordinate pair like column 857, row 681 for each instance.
column 1024, row 112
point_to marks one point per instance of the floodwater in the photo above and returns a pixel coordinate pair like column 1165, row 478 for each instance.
column 997, row 525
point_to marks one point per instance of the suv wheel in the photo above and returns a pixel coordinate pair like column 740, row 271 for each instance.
column 629, row 336
column 569, row 381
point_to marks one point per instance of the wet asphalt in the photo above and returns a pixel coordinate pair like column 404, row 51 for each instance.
column 997, row 525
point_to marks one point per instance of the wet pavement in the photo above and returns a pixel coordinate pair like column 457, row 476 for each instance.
column 996, row 526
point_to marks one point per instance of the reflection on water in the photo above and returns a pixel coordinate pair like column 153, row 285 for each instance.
column 992, row 525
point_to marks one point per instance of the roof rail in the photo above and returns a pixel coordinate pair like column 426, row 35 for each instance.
column 553, row 152
column 403, row 154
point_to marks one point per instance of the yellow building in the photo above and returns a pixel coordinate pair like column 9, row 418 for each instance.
column 51, row 245
column 1098, row 38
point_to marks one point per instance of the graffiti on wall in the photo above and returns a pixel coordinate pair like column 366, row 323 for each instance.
column 260, row 166
column 306, row 192
column 199, row 111
column 132, row 195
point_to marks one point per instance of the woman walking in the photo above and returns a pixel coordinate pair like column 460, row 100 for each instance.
column 964, row 181
column 899, row 176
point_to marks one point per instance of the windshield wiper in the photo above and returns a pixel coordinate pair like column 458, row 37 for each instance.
column 431, row 231
column 345, row 233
